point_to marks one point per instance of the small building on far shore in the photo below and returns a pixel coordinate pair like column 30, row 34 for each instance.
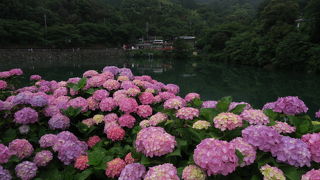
column 190, row 40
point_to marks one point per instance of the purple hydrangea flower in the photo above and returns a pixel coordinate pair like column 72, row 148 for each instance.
column 216, row 156
column 47, row 140
column 26, row 116
column 263, row 137
column 42, row 158
column 209, row 104
column 247, row 150
column 38, row 101
column 4, row 174
column 293, row 151
column 134, row 171
column 26, row 170
column 4, row 154
column 59, row 121
column 290, row 105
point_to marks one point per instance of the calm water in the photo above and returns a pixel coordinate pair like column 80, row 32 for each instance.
column 212, row 81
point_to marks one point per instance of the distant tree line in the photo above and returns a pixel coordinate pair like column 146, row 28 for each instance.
column 280, row 33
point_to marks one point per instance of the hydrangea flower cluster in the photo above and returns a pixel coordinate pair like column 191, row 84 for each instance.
column 193, row 172
column 247, row 150
column 235, row 104
column 263, row 137
column 293, row 151
column 134, row 171
column 42, row 158
column 255, row 117
column 311, row 175
column 283, row 127
column 144, row 111
column 129, row 159
column 216, row 156
column 201, row 124
column 59, row 121
column 4, row 174
column 227, row 121
column 26, row 116
column 81, row 162
column 318, row 114
column 21, row 148
column 157, row 118
column 128, row 105
column 26, row 170
column 271, row 173
column 163, row 171
column 3, row 84
column 115, row 167
column 290, row 105
column 93, row 140
column 146, row 98
column 127, row 120
column 154, row 141
column 5, row 154
column 313, row 141
column 209, row 104
column 47, row 140
column 187, row 113
column 174, row 103
column 191, row 96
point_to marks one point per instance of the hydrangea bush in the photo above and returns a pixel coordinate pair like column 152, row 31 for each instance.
column 114, row 125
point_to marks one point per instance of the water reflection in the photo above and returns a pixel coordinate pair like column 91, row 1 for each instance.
column 211, row 80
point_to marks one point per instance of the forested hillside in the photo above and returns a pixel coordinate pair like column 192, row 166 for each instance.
column 283, row 33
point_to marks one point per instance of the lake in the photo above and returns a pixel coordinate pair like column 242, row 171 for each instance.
column 211, row 80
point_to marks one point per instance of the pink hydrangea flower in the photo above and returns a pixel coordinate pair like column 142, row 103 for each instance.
column 146, row 98
column 313, row 141
column 115, row 167
column 3, row 84
column 283, row 127
column 128, row 105
column 157, row 99
column 227, row 121
column 133, row 92
column 81, row 162
column 187, row 113
column 21, row 148
column 166, row 95
column 133, row 171
column 61, row 91
column 93, row 140
column 100, row 94
column 4, row 154
column 88, row 122
column 47, row 140
column 4, row 74
column 111, row 84
column 144, row 111
column 144, row 124
column 216, row 156
column 96, row 81
column 42, row 158
column 191, row 96
column 115, row 133
column 235, row 104
column 290, row 105
column 209, row 104
column 111, row 117
column 311, row 175
column 92, row 104
column 255, row 116
column 126, row 120
column 271, row 173
column 157, row 118
column 107, row 104
column 248, row 151
column 26, row 116
column 174, row 103
column 172, row 88
column 263, row 137
column 154, row 141
column 162, row 172
column 129, row 159
column 26, row 170
column 79, row 102
column 90, row 73
column 16, row 72
column 35, row 77
column 193, row 172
